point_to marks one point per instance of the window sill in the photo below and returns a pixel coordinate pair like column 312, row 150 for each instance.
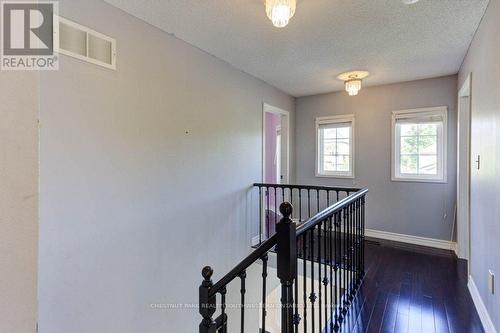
column 419, row 180
column 335, row 176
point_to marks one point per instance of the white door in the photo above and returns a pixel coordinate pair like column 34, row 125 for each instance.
column 276, row 123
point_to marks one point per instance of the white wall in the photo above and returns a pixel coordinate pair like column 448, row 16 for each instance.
column 418, row 209
column 144, row 175
column 18, row 201
column 483, row 61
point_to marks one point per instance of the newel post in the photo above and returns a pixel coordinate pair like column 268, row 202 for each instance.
column 286, row 264
column 207, row 303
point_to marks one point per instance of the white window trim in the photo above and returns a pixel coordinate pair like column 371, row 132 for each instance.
column 335, row 119
column 443, row 111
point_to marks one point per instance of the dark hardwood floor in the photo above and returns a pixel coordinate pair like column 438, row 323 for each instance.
column 412, row 290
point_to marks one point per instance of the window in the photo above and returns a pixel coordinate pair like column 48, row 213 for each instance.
column 419, row 145
column 335, row 146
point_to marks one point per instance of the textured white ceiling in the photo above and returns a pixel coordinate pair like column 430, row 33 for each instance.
column 395, row 42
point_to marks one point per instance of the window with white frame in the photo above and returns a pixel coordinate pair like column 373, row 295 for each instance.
column 335, row 146
column 419, row 145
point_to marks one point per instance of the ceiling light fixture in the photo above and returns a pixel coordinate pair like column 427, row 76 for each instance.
column 352, row 81
column 409, row 2
column 280, row 11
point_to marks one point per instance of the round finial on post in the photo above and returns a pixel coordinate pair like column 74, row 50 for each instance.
column 286, row 209
column 207, row 273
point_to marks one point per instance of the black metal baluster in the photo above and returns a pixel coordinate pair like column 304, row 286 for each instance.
column 312, row 297
column 308, row 203
column 363, row 236
column 275, row 209
column 348, row 248
column 243, row 277
column 351, row 252
column 358, row 243
column 300, row 205
column 337, row 262
column 344, row 257
column 325, row 270
column 223, row 328
column 319, row 275
column 332, row 262
column 260, row 215
column 264, row 290
column 317, row 201
column 268, row 213
column 355, row 247
column 304, row 277
column 296, row 316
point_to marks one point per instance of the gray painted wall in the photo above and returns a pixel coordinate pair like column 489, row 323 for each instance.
column 419, row 209
column 18, row 201
column 483, row 61
column 144, row 174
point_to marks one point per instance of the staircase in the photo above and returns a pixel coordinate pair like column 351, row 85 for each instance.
column 319, row 252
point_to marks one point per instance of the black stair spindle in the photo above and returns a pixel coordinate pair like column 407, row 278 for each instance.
column 363, row 236
column 312, row 297
column 308, row 203
column 337, row 263
column 300, row 205
column 243, row 290
column 358, row 244
column 332, row 263
column 260, row 215
column 268, row 213
column 319, row 276
column 325, row 270
column 304, row 278
column 223, row 328
column 264, row 259
column 345, row 275
column 275, row 208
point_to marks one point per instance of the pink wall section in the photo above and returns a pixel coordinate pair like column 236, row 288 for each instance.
column 273, row 121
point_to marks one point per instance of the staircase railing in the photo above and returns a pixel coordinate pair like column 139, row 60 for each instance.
column 320, row 266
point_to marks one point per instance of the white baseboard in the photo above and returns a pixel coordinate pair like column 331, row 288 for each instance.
column 423, row 241
column 480, row 307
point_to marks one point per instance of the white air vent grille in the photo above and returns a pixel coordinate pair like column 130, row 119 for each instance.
column 83, row 43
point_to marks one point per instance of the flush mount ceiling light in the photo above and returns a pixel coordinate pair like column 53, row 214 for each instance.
column 280, row 11
column 352, row 81
column 409, row 2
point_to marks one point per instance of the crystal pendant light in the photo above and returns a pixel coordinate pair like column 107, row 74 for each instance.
column 353, row 86
column 280, row 11
column 352, row 81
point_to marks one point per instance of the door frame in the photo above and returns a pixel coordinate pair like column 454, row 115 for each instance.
column 464, row 222
column 267, row 108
